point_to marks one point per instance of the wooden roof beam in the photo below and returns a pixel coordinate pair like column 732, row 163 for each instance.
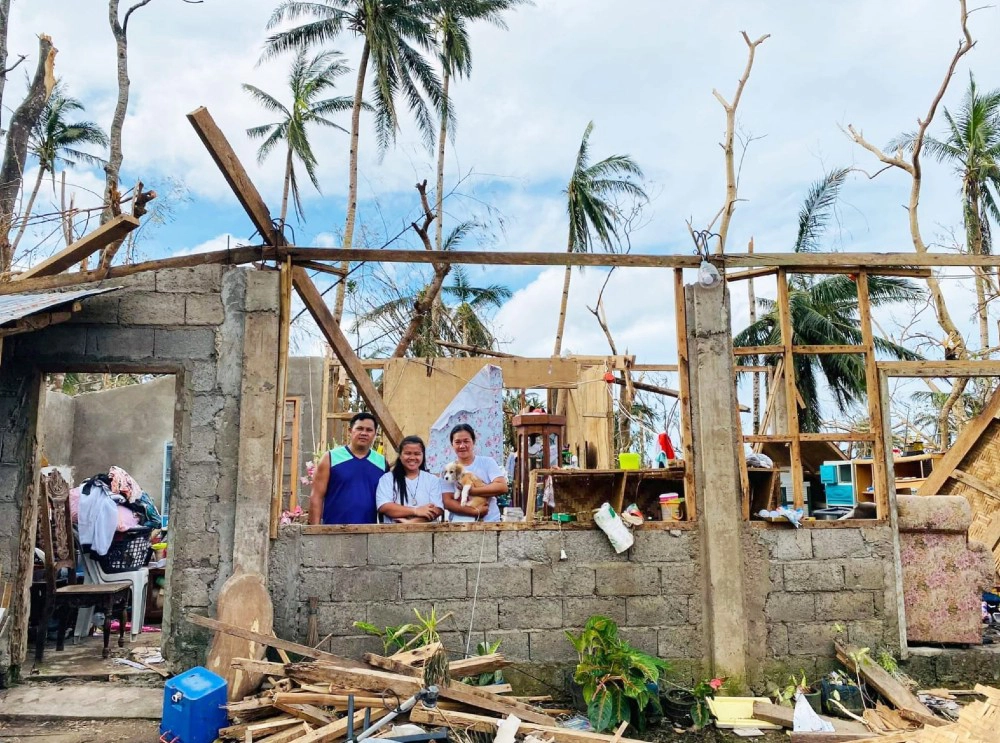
column 86, row 246
column 235, row 174
column 873, row 263
column 342, row 348
column 58, row 281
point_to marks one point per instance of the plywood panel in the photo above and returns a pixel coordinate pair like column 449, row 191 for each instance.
column 589, row 418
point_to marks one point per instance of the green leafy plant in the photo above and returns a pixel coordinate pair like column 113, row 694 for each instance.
column 487, row 678
column 888, row 661
column 619, row 682
column 701, row 715
column 786, row 695
column 393, row 638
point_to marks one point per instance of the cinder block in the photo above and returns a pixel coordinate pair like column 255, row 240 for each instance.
column 591, row 546
column 201, row 478
column 194, row 586
column 334, row 619
column 531, row 613
column 202, row 448
column 628, row 580
column 198, row 549
column 641, row 638
column 100, row 309
column 60, row 340
column 365, row 584
column 548, row 646
column 879, row 541
column 679, row 642
column 150, row 308
column 776, row 574
column 833, row 543
column 206, row 410
column 400, row 549
column 203, row 309
column 679, row 579
column 864, row 574
column 355, row 646
column 813, row 576
column 559, row 580
column 335, row 550
column 133, row 344
column 657, row 545
column 845, row 605
column 777, row 641
column 434, row 583
column 788, row 545
column 514, row 645
column 528, row 546
column 811, row 639
column 201, row 376
column 499, row 582
column 194, row 280
column 656, row 611
column 184, row 343
column 392, row 614
column 485, row 618
column 792, row 607
column 463, row 546
column 576, row 611
column 262, row 291
column 867, row 634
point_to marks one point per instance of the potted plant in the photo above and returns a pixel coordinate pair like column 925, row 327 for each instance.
column 677, row 704
column 618, row 681
column 786, row 695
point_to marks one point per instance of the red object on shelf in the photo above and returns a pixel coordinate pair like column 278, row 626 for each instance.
column 609, row 377
column 665, row 446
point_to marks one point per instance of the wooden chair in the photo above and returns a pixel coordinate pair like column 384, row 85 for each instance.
column 55, row 529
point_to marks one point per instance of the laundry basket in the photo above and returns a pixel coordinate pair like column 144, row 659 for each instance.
column 129, row 551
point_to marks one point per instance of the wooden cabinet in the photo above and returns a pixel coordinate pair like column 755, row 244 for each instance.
column 909, row 472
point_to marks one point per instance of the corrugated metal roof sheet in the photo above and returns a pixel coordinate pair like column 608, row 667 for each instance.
column 15, row 306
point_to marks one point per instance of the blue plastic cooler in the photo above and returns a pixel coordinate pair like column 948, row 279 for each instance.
column 193, row 707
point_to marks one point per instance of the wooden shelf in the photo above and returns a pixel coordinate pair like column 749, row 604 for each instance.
column 581, row 491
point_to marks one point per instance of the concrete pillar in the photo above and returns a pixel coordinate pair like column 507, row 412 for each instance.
column 715, row 431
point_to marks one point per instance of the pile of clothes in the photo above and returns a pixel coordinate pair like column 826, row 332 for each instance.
column 108, row 503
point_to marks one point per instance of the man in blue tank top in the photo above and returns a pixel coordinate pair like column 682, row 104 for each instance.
column 343, row 488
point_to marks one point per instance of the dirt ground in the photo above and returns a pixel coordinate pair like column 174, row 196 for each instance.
column 75, row 731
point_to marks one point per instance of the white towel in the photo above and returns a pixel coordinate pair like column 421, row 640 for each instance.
column 98, row 518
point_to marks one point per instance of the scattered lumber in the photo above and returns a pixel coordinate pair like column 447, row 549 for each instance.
column 479, row 723
column 909, row 706
column 773, row 713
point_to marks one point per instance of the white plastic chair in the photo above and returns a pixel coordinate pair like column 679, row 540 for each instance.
column 139, row 580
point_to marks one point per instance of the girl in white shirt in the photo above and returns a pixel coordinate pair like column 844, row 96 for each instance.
column 408, row 492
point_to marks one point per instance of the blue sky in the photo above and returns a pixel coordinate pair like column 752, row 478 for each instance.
column 643, row 73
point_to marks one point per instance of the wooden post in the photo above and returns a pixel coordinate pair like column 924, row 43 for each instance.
column 342, row 348
column 791, row 393
column 281, row 390
column 880, row 464
column 885, row 434
column 684, row 382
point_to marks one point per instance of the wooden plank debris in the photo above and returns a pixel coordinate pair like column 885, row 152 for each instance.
column 902, row 698
column 107, row 233
column 480, row 723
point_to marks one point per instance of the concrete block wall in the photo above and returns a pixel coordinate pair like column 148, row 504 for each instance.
column 526, row 596
column 808, row 587
column 189, row 322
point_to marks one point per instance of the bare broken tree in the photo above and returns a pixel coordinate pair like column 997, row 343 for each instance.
column 729, row 205
column 912, row 165
column 4, row 69
column 16, row 150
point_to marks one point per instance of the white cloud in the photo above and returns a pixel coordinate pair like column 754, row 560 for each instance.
column 219, row 242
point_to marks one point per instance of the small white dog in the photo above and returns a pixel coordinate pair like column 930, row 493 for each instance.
column 455, row 472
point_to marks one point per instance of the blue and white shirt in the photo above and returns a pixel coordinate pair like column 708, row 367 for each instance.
column 350, row 493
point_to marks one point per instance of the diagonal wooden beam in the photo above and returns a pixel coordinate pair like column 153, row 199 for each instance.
column 234, row 173
column 87, row 245
column 342, row 348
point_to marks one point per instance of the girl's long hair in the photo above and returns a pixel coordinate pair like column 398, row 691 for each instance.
column 399, row 471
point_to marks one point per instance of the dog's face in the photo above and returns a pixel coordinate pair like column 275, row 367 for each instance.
column 452, row 471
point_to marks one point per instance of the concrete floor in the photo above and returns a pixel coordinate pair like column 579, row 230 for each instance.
column 108, row 731
column 84, row 661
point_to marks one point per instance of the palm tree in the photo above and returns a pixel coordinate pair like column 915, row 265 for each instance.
column 394, row 33
column 593, row 216
column 307, row 80
column 824, row 312
column 463, row 322
column 972, row 146
column 451, row 26
column 54, row 140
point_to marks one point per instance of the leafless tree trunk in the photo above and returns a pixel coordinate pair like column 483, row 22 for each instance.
column 27, row 209
column 442, row 141
column 112, row 195
column 955, row 341
column 16, row 150
column 352, row 171
column 429, row 296
column 727, row 146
